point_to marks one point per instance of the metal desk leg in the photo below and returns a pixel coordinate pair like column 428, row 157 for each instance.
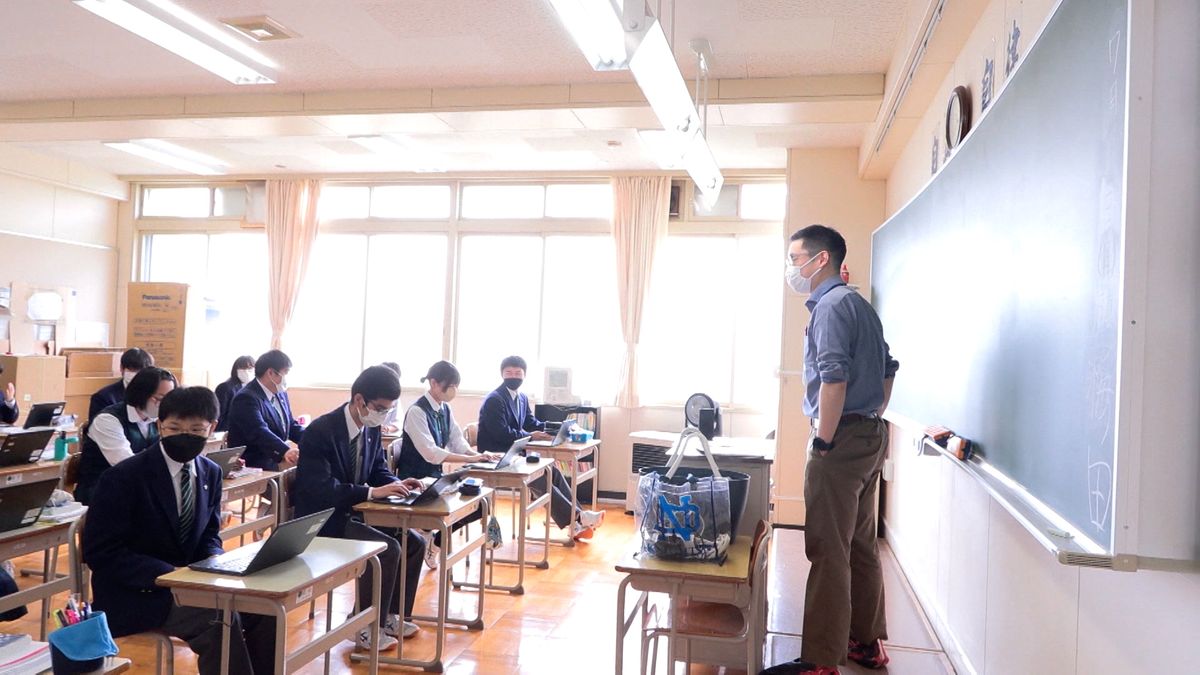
column 227, row 619
column 281, row 651
column 574, row 496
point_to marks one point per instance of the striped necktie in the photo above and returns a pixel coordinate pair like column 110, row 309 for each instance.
column 187, row 503
column 356, row 459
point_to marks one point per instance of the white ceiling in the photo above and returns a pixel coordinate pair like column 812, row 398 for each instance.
column 52, row 49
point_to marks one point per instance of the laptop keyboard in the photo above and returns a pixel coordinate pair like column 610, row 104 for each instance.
column 235, row 562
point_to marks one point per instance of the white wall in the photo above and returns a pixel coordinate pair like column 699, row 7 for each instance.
column 1001, row 603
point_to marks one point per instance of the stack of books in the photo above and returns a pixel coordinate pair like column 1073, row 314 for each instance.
column 20, row 655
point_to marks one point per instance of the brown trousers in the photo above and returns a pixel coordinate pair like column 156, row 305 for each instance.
column 844, row 597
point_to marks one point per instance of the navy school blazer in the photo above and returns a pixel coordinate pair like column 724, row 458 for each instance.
column 502, row 420
column 254, row 423
column 130, row 537
column 225, row 393
column 323, row 473
column 106, row 396
column 9, row 415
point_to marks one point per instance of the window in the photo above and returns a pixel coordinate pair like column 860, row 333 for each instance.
column 426, row 202
column 193, row 202
column 503, row 201
column 712, row 321
column 726, row 205
column 406, row 302
column 230, row 270
column 341, row 201
column 763, row 201
column 579, row 200
column 500, row 277
column 325, row 336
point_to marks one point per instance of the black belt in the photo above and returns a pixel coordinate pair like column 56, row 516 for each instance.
column 852, row 418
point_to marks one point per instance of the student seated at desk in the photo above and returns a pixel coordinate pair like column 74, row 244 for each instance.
column 431, row 436
column 156, row 512
column 132, row 363
column 260, row 416
column 9, row 410
column 342, row 464
column 122, row 430
column 239, row 376
column 505, row 417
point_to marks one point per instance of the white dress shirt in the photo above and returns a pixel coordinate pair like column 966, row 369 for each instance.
column 109, row 434
column 416, row 427
column 174, row 468
column 352, row 427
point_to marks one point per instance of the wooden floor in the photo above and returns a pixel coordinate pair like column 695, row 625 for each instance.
column 565, row 621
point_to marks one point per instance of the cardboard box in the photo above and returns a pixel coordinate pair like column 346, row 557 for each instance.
column 89, row 363
column 166, row 319
column 86, row 386
column 38, row 379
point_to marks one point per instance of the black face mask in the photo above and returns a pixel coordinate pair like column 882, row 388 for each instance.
column 183, row 448
column 513, row 383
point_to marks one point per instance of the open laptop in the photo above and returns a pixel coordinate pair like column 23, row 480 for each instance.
column 21, row 504
column 287, row 541
column 227, row 459
column 43, row 414
column 516, row 449
column 24, row 447
column 430, row 493
column 564, row 432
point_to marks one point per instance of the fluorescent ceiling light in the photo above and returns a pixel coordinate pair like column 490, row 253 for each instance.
column 702, row 167
column 213, row 32
column 595, row 25
column 171, row 155
column 174, row 40
column 418, row 160
column 658, row 76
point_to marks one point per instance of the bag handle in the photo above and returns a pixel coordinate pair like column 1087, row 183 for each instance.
column 681, row 445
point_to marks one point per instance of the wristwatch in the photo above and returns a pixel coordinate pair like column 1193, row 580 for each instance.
column 821, row 445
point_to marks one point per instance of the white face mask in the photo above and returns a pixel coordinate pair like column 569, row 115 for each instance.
column 245, row 375
column 282, row 386
column 126, row 376
column 797, row 281
column 151, row 410
column 374, row 418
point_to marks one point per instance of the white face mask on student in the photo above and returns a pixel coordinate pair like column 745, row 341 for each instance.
column 127, row 376
column 374, row 418
column 244, row 375
column 797, row 281
column 281, row 386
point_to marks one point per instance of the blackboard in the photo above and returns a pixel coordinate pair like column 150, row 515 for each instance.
column 999, row 284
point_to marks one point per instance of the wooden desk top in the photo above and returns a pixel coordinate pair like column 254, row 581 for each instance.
column 736, row 568
column 31, row 466
column 518, row 468
column 249, row 479
column 324, row 557
column 33, row 530
column 567, row 448
column 442, row 506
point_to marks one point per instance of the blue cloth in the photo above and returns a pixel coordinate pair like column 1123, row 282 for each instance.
column 844, row 343
column 87, row 640
column 410, row 463
column 131, row 537
column 503, row 420
column 225, row 393
column 105, row 397
column 9, row 412
column 325, row 466
column 255, row 423
column 93, row 463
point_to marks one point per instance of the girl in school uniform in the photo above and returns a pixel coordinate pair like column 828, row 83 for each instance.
column 431, row 437
column 239, row 376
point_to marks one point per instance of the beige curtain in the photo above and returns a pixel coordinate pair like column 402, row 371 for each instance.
column 291, row 231
column 640, row 210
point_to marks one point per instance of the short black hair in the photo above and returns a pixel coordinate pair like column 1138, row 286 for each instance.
column 375, row 383
column 513, row 362
column 189, row 402
column 444, row 373
column 145, row 384
column 136, row 359
column 819, row 238
column 272, row 360
column 244, row 361
column 392, row 366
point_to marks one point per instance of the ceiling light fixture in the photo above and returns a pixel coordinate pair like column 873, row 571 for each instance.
column 149, row 27
column 171, row 155
column 213, row 32
column 596, row 26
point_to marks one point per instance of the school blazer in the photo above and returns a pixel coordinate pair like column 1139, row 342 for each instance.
column 503, row 420
column 9, row 415
column 131, row 537
column 106, row 396
column 225, row 393
column 254, row 423
column 323, row 473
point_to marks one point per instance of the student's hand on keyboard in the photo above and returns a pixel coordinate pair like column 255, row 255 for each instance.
column 541, row 436
column 413, row 484
column 492, row 456
column 390, row 490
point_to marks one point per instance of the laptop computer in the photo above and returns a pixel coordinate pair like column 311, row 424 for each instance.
column 516, row 449
column 43, row 414
column 430, row 493
column 227, row 459
column 24, row 447
column 287, row 541
column 564, row 432
column 21, row 504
